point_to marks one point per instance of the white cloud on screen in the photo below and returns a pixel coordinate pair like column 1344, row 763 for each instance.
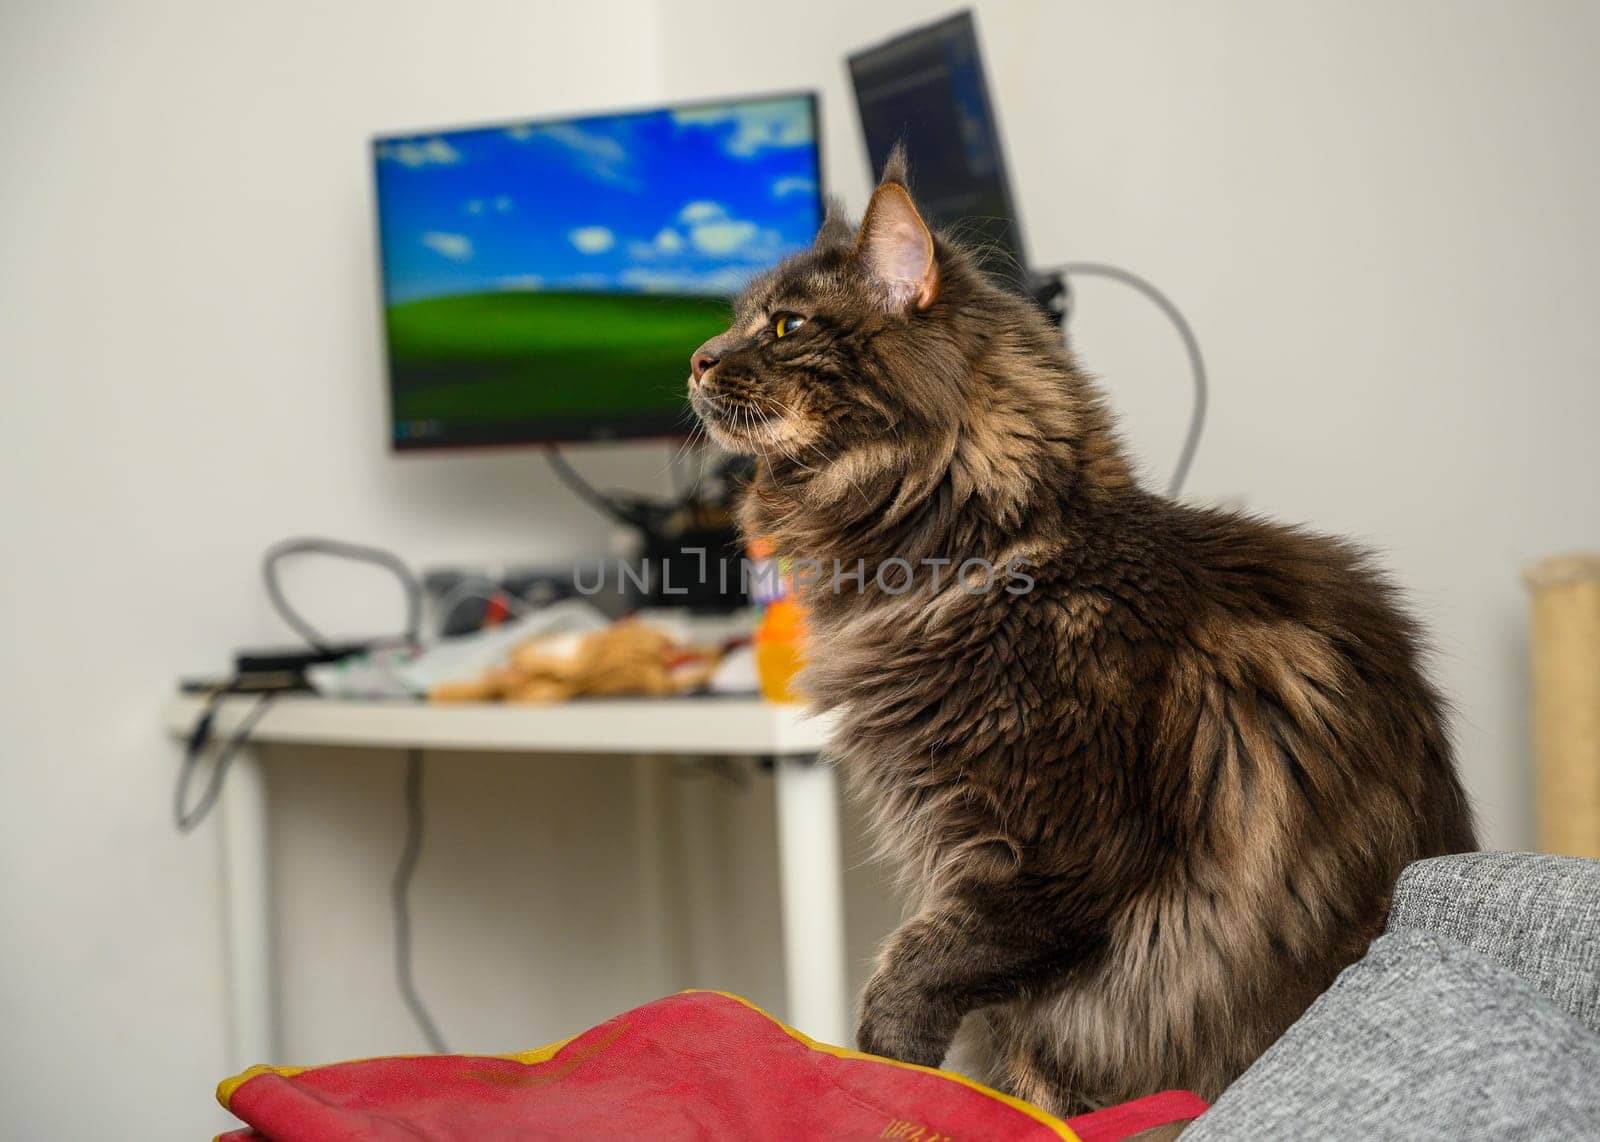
column 601, row 156
column 708, row 250
column 666, row 243
column 702, row 210
column 793, row 184
column 420, row 153
column 456, row 247
column 756, row 126
column 726, row 280
column 707, row 229
column 500, row 204
column 592, row 239
column 722, row 237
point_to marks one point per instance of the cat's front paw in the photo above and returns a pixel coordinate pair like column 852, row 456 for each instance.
column 899, row 1028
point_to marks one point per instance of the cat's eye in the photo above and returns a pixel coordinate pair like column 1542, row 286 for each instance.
column 784, row 324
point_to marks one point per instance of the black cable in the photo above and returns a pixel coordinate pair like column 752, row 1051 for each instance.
column 1197, row 365
column 339, row 549
column 200, row 737
column 585, row 490
column 400, row 895
column 194, row 750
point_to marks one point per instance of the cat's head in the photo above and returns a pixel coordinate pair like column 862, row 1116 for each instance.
column 874, row 342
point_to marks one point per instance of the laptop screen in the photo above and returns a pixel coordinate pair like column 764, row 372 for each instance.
column 927, row 87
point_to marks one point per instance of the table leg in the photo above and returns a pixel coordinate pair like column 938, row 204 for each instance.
column 248, row 912
column 811, row 879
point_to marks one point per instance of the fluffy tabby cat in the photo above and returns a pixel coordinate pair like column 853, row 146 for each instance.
column 1145, row 811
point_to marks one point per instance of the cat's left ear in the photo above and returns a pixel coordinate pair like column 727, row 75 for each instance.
column 896, row 247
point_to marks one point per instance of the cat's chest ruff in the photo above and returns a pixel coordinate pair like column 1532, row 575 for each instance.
column 914, row 637
column 1008, row 681
column 930, row 630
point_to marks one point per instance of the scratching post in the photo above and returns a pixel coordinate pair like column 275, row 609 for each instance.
column 1566, row 703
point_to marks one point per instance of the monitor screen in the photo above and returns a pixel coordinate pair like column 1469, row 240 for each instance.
column 927, row 88
column 547, row 281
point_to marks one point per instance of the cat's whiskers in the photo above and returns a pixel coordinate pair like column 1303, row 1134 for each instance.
column 760, row 445
column 696, row 436
column 829, row 461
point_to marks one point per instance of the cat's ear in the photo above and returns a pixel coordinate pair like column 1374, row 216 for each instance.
column 895, row 244
column 837, row 230
column 896, row 168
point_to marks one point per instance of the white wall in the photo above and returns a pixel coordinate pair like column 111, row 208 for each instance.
column 1376, row 216
column 189, row 350
column 1379, row 218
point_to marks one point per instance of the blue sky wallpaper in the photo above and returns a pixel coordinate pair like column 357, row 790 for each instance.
column 693, row 200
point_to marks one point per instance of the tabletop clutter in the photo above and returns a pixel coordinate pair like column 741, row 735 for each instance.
column 569, row 649
column 651, row 657
column 630, row 657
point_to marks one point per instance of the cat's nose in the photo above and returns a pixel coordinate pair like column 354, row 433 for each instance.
column 704, row 357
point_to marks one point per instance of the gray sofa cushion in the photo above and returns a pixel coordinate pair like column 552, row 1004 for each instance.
column 1537, row 915
column 1423, row 1038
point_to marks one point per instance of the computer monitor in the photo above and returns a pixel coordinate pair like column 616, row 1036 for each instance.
column 547, row 281
column 926, row 87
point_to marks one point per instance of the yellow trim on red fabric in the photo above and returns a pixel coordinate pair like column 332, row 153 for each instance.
column 227, row 1087
column 538, row 1054
column 1043, row 1118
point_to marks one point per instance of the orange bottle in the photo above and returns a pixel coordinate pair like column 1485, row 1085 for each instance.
column 779, row 642
column 780, row 649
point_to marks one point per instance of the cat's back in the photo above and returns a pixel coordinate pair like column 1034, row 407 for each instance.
column 1310, row 632
column 1223, row 634
column 1183, row 571
column 1251, row 567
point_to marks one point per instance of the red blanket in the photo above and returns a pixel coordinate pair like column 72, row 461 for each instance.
column 696, row 1065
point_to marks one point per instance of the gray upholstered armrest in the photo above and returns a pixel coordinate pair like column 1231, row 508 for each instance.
column 1537, row 915
column 1420, row 1039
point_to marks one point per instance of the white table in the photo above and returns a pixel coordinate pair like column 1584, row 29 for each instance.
column 809, row 858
